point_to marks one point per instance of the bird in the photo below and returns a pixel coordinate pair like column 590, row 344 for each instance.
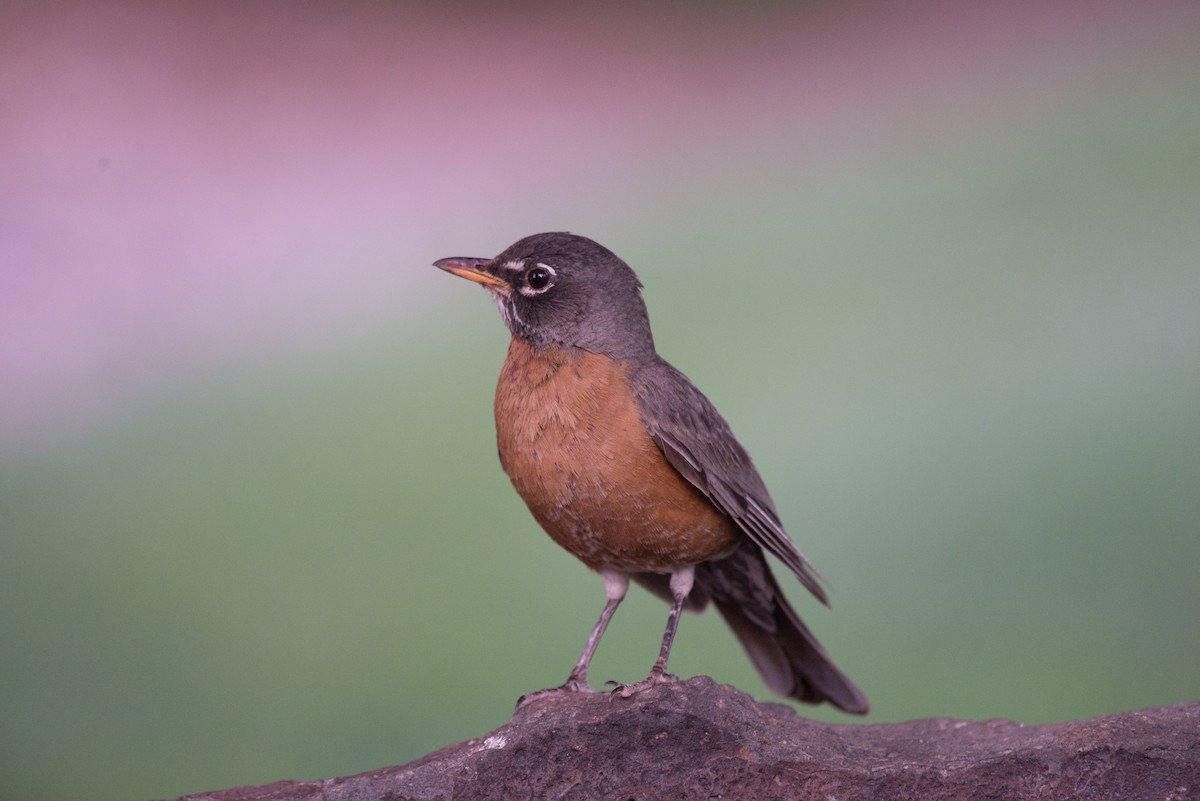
column 631, row 469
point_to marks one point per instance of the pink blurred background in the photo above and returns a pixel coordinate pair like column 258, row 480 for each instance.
column 185, row 183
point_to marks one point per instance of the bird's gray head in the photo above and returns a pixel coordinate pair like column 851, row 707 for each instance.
column 558, row 289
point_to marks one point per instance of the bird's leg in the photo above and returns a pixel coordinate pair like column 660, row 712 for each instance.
column 681, row 585
column 615, row 587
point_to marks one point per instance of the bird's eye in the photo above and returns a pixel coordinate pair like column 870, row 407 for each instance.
column 537, row 278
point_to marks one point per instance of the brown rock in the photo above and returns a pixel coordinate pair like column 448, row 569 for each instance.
column 698, row 740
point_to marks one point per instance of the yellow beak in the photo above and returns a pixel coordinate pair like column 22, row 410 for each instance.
column 471, row 269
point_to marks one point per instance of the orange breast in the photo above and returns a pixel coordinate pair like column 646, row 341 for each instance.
column 572, row 441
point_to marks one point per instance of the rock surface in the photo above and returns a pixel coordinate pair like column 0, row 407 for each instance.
column 698, row 740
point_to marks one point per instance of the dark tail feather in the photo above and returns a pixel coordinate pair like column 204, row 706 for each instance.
column 786, row 653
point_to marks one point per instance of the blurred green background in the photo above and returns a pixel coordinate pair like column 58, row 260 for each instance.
column 940, row 271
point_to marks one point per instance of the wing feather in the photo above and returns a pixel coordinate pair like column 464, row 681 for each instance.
column 700, row 445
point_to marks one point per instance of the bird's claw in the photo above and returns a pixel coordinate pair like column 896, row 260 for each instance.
column 569, row 687
column 653, row 680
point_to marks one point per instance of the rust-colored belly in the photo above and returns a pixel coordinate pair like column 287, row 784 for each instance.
column 572, row 441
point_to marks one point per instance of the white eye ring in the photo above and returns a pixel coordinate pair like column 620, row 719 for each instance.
column 537, row 279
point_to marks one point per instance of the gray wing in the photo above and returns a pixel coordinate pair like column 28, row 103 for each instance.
column 699, row 444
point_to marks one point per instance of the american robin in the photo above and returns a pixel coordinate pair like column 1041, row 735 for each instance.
column 628, row 466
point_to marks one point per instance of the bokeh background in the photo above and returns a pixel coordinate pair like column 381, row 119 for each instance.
column 937, row 262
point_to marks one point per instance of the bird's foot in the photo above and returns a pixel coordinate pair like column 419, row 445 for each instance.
column 653, row 680
column 569, row 687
